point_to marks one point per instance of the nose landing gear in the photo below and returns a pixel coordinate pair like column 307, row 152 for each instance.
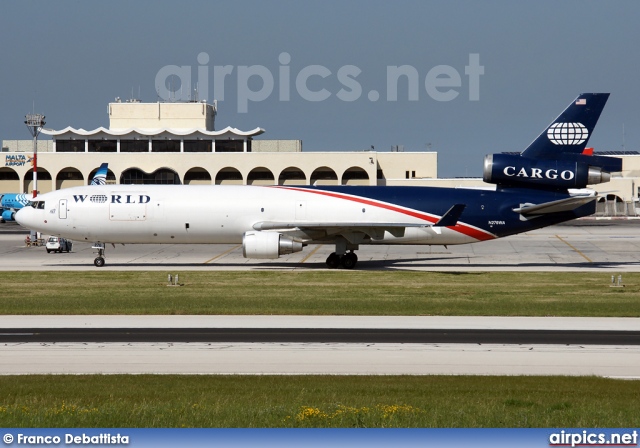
column 99, row 261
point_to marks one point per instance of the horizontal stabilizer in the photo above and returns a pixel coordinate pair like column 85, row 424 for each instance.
column 451, row 217
column 559, row 206
column 606, row 163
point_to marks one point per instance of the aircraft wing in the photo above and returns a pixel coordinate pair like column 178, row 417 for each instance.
column 450, row 218
column 374, row 230
column 272, row 225
column 561, row 205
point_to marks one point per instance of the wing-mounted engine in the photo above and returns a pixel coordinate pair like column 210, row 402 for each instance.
column 268, row 245
column 518, row 171
column 8, row 215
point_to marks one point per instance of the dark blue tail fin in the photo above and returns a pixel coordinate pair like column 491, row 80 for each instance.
column 568, row 135
column 570, row 132
column 557, row 159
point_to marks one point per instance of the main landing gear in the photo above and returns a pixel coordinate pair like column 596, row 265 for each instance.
column 99, row 261
column 347, row 261
column 341, row 257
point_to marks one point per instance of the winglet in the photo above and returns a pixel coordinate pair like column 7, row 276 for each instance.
column 451, row 217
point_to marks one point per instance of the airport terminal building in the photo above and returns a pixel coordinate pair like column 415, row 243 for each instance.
column 176, row 143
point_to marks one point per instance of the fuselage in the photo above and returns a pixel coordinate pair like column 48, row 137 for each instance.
column 222, row 214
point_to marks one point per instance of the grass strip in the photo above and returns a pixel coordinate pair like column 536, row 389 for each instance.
column 321, row 293
column 316, row 401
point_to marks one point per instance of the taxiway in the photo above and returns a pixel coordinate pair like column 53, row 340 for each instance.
column 587, row 245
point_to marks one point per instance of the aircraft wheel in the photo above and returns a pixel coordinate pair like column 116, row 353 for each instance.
column 99, row 262
column 333, row 260
column 349, row 260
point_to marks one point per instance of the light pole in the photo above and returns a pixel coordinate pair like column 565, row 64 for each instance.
column 35, row 123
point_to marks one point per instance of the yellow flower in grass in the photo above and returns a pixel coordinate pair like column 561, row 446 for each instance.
column 310, row 413
column 341, row 411
column 393, row 409
column 347, row 410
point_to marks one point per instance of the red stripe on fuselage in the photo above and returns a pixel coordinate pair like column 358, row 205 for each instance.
column 465, row 229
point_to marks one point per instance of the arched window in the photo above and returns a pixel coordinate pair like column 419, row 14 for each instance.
column 229, row 176
column 260, row 176
column 197, row 176
column 44, row 181
column 355, row 176
column 68, row 177
column 324, row 176
column 292, row 176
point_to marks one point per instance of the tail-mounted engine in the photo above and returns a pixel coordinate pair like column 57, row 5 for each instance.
column 256, row 244
column 515, row 170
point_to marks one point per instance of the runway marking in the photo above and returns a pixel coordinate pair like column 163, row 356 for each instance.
column 223, row 254
column 568, row 244
column 311, row 253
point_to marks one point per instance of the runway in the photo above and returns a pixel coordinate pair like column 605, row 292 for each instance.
column 585, row 245
column 546, row 354
column 320, row 335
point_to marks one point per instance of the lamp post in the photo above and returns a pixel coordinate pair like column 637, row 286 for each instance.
column 35, row 123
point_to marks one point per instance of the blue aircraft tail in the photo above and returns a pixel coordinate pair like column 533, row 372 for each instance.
column 558, row 159
column 100, row 178
column 567, row 136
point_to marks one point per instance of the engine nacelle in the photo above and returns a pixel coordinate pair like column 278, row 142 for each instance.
column 7, row 215
column 256, row 244
column 513, row 170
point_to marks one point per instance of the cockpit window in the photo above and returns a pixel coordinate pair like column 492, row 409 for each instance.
column 36, row 204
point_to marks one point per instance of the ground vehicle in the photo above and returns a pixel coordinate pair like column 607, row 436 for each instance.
column 57, row 244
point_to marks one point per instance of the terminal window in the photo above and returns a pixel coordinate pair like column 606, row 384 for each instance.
column 69, row 145
column 135, row 176
column 103, row 145
column 229, row 145
column 198, row 146
column 134, row 145
column 165, row 146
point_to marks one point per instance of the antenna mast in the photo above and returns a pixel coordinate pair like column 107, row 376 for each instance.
column 35, row 123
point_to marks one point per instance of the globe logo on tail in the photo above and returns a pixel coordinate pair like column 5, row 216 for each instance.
column 567, row 133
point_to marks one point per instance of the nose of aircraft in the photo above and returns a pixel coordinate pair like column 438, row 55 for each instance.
column 24, row 217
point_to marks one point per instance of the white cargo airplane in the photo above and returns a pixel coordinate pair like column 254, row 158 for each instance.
column 535, row 189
